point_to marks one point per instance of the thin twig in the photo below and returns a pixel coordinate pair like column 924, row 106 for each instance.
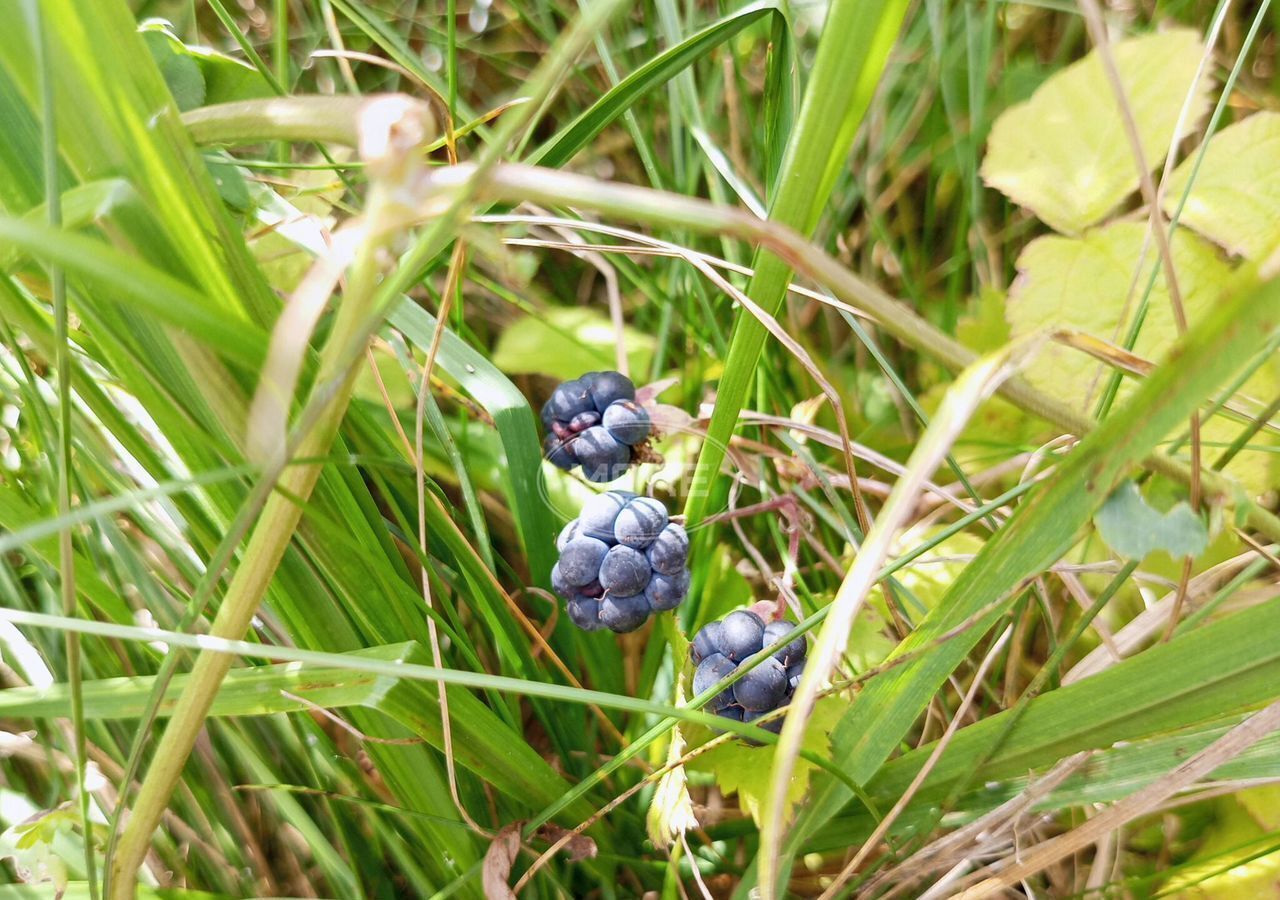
column 943, row 742
column 1139, row 803
column 457, row 263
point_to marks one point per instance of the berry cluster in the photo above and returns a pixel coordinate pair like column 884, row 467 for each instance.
column 594, row 422
column 720, row 647
column 621, row 560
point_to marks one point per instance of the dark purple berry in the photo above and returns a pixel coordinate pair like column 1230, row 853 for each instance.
column 624, row 572
column 567, row 534
column 794, row 671
column 670, row 550
column 710, row 671
column 606, row 387
column 599, row 513
column 585, row 613
column 763, row 687
column 741, row 633
column 559, row 583
column 706, row 642
column 569, row 399
column 666, row 592
column 623, row 614
column 584, row 420
column 559, row 453
column 580, row 560
column 790, row 652
column 627, row 421
column 640, row 522
column 602, row 458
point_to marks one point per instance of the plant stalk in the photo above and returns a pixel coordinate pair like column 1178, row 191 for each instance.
column 267, row 545
column 852, row 52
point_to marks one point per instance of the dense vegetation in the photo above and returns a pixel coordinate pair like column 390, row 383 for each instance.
column 953, row 330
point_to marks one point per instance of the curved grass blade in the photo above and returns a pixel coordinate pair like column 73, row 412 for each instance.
column 654, row 74
column 516, row 426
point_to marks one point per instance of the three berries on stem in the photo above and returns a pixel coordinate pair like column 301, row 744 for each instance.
column 623, row 559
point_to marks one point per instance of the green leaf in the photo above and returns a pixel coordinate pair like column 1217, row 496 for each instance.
column 1132, row 528
column 229, row 179
column 181, row 74
column 985, row 328
column 745, row 770
column 1064, row 153
column 1235, row 197
column 227, row 79
column 200, row 76
column 565, row 341
column 220, row 78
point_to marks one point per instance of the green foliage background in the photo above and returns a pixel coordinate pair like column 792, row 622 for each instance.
column 958, row 175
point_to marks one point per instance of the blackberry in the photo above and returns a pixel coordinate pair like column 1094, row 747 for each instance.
column 720, row 647
column 621, row 560
column 594, row 422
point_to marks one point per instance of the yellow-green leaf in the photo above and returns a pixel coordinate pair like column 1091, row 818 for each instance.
column 1082, row 283
column 567, row 341
column 746, row 770
column 1235, row 198
column 1064, row 154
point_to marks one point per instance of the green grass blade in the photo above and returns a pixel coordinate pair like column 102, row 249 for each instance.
column 852, row 52
column 1042, row 528
column 124, row 278
column 516, row 424
column 1110, row 774
column 485, row 745
column 652, row 75
column 1225, row 666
